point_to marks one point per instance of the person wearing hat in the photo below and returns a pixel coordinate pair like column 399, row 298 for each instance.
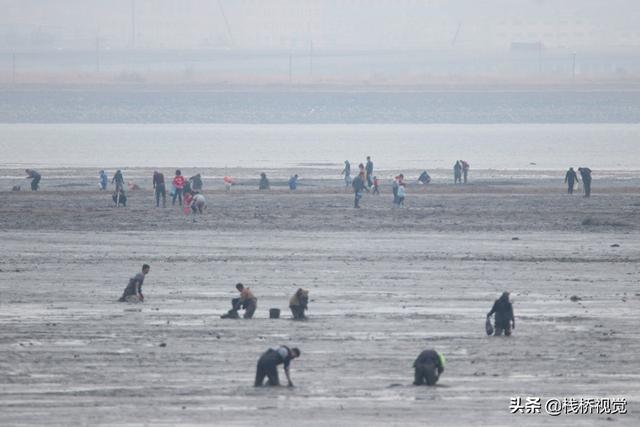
column 505, row 320
column 268, row 365
column 428, row 366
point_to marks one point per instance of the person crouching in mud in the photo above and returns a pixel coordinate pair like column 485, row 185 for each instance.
column 428, row 367
column 133, row 291
column 505, row 320
column 268, row 365
column 298, row 304
column 246, row 300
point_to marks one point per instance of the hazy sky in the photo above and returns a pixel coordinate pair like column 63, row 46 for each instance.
column 327, row 24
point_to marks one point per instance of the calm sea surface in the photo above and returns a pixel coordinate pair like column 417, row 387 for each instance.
column 393, row 146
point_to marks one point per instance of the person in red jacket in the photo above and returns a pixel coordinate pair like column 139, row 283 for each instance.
column 178, row 187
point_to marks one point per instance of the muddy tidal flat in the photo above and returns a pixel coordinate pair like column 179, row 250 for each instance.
column 384, row 285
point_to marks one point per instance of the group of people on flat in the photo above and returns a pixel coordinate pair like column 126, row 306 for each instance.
column 365, row 181
column 428, row 366
column 188, row 192
column 460, row 172
column 571, row 179
column 248, row 302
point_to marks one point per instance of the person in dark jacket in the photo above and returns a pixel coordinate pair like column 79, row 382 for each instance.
column 268, row 365
column 35, row 179
column 359, row 186
column 457, row 173
column 196, row 182
column 428, row 367
column 298, row 304
column 369, row 170
column 133, row 291
column 505, row 320
column 118, row 180
column 160, row 189
column 585, row 173
column 119, row 198
column 570, row 179
column 264, row 182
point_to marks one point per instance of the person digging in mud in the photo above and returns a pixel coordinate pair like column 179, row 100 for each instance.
column 570, row 178
column 35, row 179
column 119, row 198
column 298, row 304
column 133, row 291
column 428, row 366
column 246, row 300
column 198, row 203
column 268, row 365
column 505, row 320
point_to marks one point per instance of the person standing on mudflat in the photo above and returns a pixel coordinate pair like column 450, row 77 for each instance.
column 178, row 187
column 465, row 170
column 160, row 189
column 358, row 187
column 585, row 173
column 268, row 365
column 369, row 169
column 35, row 178
column 118, row 180
column 196, row 182
column 293, row 182
column 133, row 291
column 104, row 180
column 505, row 320
column 264, row 182
column 347, row 173
column 428, row 366
column 570, row 178
column 457, row 173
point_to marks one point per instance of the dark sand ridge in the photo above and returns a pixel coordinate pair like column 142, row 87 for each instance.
column 384, row 285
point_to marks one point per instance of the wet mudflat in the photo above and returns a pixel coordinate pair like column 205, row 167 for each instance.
column 383, row 284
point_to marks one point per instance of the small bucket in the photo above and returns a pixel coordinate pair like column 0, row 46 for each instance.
column 274, row 313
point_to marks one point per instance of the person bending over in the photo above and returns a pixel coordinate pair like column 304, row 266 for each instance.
column 428, row 367
column 298, row 303
column 246, row 300
column 133, row 291
column 268, row 365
